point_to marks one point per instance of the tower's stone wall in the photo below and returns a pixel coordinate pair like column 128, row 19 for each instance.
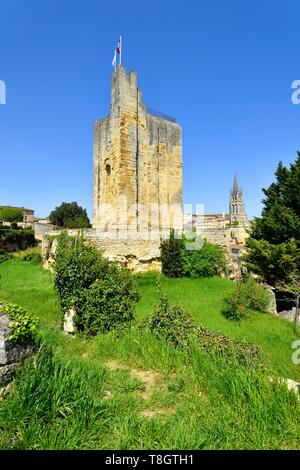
column 137, row 156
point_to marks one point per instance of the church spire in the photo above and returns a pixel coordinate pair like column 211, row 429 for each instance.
column 236, row 205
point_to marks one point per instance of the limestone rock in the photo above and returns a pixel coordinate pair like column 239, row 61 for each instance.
column 293, row 386
column 7, row 373
column 12, row 354
column 69, row 325
column 288, row 314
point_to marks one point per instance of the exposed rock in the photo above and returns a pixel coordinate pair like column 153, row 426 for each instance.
column 7, row 373
column 136, row 255
column 290, row 384
column 293, row 386
column 272, row 308
column 288, row 314
column 12, row 354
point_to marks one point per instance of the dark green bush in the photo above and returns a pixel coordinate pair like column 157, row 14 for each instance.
column 174, row 324
column 31, row 255
column 4, row 256
column 248, row 295
column 14, row 240
column 208, row 261
column 76, row 266
column 171, row 256
column 178, row 261
column 102, row 293
column 171, row 322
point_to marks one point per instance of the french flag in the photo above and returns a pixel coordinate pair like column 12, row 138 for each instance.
column 118, row 50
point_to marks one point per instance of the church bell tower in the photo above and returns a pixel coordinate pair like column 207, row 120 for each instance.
column 236, row 205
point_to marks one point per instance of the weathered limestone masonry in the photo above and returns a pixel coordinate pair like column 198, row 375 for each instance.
column 137, row 255
column 138, row 156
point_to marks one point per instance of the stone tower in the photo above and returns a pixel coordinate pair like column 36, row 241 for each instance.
column 137, row 164
column 236, row 205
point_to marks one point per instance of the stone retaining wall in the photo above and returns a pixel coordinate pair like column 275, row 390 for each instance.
column 11, row 354
column 136, row 255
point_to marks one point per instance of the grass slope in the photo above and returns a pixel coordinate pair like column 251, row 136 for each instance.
column 32, row 287
column 137, row 392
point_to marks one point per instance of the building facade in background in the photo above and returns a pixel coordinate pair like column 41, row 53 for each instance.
column 230, row 230
column 28, row 216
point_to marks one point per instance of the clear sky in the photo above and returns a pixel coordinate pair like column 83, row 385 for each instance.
column 223, row 68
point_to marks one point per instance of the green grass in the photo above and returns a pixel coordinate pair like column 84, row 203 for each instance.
column 30, row 286
column 203, row 299
column 197, row 403
column 93, row 393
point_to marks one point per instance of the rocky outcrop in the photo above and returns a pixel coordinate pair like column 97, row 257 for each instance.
column 288, row 314
column 136, row 255
column 11, row 354
column 272, row 307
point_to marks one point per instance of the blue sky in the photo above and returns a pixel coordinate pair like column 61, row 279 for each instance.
column 223, row 68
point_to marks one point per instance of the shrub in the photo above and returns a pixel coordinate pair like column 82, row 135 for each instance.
column 102, row 293
column 273, row 262
column 177, row 261
column 256, row 296
column 175, row 325
column 108, row 303
column 170, row 322
column 76, row 267
column 248, row 295
column 208, row 261
column 4, row 256
column 14, row 240
column 234, row 305
column 31, row 255
column 23, row 324
column 171, row 250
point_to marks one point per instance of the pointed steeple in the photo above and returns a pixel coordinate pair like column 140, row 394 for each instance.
column 235, row 183
column 236, row 204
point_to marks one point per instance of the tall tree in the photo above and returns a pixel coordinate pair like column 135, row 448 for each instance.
column 69, row 215
column 274, row 244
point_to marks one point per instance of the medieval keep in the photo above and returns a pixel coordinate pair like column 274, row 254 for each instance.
column 137, row 163
column 137, row 186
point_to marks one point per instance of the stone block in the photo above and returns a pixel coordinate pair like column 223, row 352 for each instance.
column 69, row 325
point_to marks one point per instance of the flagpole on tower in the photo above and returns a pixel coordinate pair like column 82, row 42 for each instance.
column 120, row 50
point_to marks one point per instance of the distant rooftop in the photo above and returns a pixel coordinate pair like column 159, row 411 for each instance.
column 17, row 207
